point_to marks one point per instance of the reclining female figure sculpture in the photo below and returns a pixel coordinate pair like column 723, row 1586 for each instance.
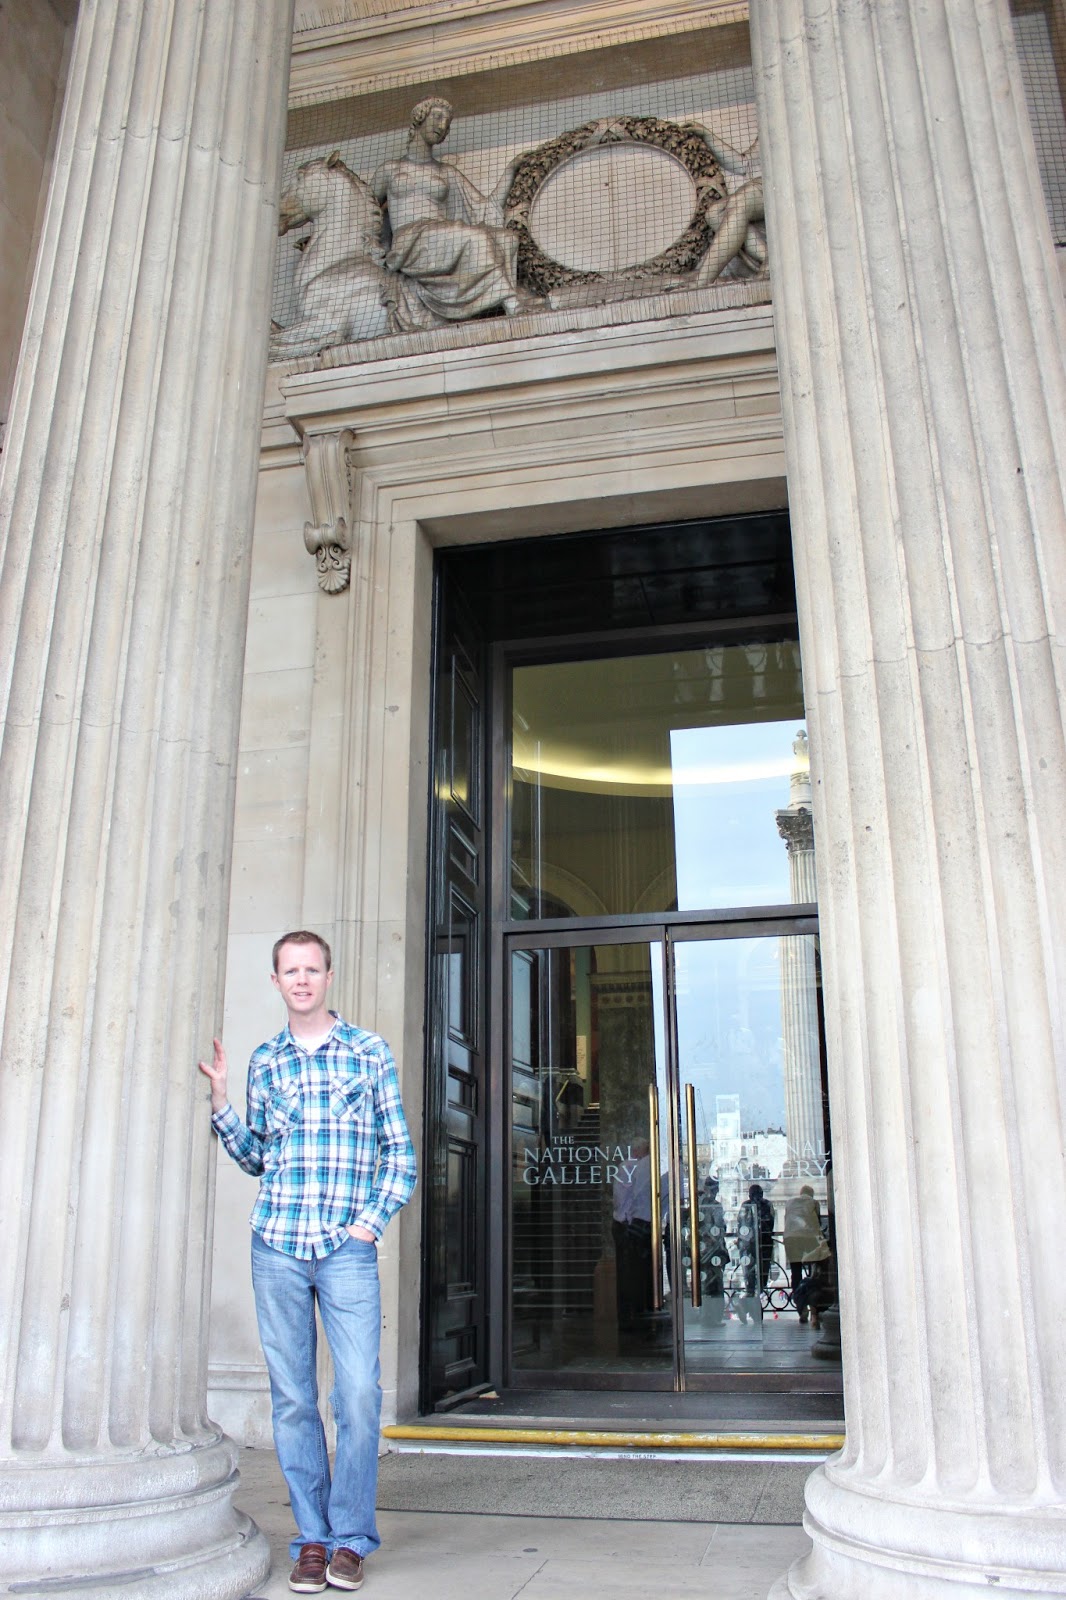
column 450, row 257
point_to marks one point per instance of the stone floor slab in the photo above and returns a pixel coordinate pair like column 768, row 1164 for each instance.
column 484, row 1556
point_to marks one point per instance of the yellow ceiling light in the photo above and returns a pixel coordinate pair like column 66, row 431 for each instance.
column 557, row 769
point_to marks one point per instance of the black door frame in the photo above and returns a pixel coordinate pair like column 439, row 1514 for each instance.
column 751, row 550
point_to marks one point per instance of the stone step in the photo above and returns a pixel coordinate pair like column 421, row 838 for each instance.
column 536, row 1481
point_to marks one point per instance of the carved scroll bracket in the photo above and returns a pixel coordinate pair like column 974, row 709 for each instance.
column 330, row 482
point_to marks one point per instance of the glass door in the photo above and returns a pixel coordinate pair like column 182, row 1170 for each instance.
column 590, row 1169
column 670, row 1192
column 669, row 1195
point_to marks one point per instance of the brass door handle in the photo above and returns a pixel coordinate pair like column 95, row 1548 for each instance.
column 693, row 1199
column 656, row 1200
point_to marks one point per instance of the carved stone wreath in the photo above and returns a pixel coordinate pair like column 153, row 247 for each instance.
column 538, row 272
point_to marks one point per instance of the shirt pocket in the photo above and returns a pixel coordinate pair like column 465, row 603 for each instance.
column 349, row 1097
column 282, row 1111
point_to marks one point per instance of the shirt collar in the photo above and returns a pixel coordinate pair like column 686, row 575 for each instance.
column 292, row 1039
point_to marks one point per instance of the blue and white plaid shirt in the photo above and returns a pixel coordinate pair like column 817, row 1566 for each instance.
column 326, row 1133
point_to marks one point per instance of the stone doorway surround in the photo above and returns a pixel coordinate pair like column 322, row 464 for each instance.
column 592, row 429
column 920, row 426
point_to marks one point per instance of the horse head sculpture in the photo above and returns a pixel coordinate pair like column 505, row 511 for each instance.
column 340, row 278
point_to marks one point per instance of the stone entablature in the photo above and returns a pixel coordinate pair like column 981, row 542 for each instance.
column 378, row 44
column 703, row 383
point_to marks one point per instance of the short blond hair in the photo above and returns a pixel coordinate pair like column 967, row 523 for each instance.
column 304, row 936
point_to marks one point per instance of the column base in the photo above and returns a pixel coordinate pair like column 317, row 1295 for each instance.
column 871, row 1547
column 158, row 1527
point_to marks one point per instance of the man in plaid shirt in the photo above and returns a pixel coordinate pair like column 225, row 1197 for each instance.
column 326, row 1136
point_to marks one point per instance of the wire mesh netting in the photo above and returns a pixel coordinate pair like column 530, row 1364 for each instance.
column 542, row 186
column 1040, row 37
column 559, row 182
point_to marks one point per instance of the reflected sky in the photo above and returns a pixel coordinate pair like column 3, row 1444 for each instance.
column 728, row 784
column 729, row 1028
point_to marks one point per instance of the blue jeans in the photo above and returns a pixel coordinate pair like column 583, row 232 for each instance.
column 337, row 1511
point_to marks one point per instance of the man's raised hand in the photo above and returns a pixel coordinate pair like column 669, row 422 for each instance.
column 216, row 1071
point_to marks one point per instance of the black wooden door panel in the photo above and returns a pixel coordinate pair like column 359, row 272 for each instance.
column 456, row 1354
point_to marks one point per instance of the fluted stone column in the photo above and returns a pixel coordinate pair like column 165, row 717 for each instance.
column 920, row 338
column 127, row 497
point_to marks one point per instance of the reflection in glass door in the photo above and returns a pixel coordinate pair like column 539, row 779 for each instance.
column 589, row 1160
column 670, row 1191
column 754, row 1190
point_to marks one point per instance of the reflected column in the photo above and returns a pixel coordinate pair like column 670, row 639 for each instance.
column 799, row 997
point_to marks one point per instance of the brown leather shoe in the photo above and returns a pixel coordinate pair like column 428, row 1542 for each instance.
column 308, row 1576
column 345, row 1570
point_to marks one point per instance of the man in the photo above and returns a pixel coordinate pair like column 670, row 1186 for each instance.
column 631, row 1227
column 755, row 1237
column 325, row 1133
column 801, row 1232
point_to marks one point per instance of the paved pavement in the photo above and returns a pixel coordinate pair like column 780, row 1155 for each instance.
column 479, row 1556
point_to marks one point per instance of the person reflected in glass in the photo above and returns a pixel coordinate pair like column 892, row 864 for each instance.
column 815, row 1293
column 755, row 1241
column 631, row 1229
column 450, row 257
column 802, row 1232
column 714, row 1248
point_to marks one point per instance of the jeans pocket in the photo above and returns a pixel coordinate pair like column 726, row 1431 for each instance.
column 367, row 1244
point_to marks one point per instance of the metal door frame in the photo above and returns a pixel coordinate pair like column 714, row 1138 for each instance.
column 666, row 931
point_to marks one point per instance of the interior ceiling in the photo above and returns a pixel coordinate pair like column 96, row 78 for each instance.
column 604, row 725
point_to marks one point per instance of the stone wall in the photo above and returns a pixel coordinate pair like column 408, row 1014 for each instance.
column 34, row 45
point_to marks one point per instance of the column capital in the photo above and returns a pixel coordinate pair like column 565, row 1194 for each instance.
column 796, row 828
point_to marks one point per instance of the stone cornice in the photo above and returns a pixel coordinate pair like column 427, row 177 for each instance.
column 596, row 429
column 350, row 58
column 714, row 361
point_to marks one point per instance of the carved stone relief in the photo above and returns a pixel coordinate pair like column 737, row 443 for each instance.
column 340, row 280
column 420, row 247
column 686, row 144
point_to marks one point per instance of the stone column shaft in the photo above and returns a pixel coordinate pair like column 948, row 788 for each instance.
column 920, row 338
column 127, row 496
